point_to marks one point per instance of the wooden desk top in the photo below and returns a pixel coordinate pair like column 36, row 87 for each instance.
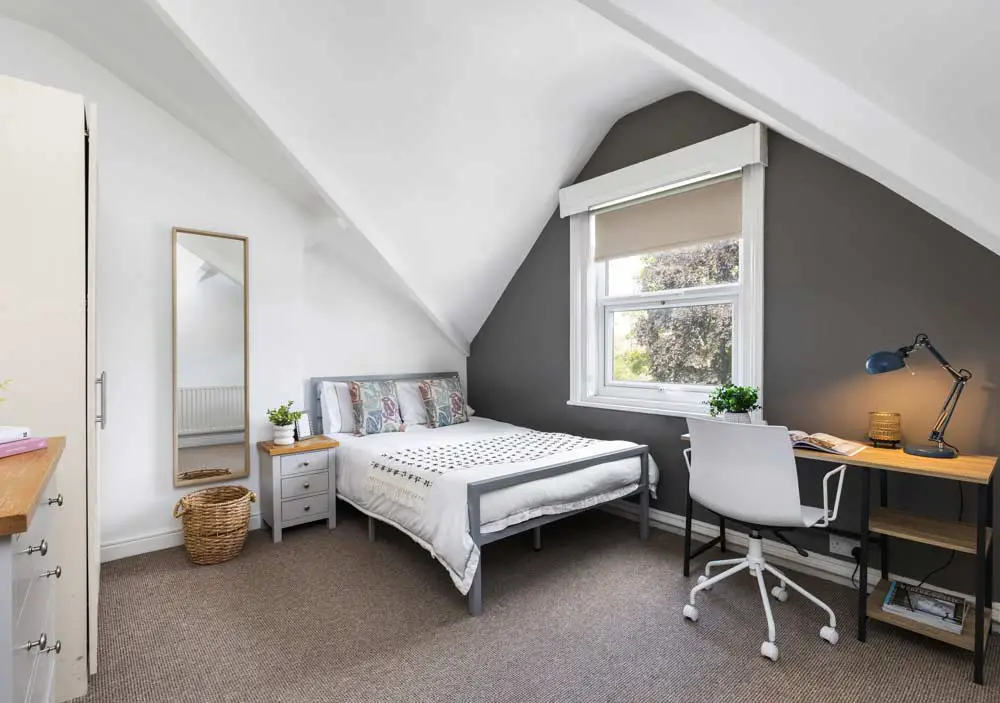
column 22, row 479
column 307, row 445
column 971, row 468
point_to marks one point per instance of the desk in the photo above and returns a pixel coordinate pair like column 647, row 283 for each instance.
column 885, row 522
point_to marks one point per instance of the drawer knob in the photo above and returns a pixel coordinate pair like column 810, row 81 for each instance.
column 57, row 647
column 306, row 508
column 58, row 500
column 305, row 486
column 42, row 549
column 57, row 572
column 40, row 643
column 304, row 463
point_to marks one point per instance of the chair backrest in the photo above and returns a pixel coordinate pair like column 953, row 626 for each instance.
column 746, row 472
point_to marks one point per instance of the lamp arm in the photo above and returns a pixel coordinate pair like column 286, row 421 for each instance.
column 922, row 340
column 948, row 409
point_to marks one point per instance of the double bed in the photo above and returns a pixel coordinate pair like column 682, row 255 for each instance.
column 454, row 489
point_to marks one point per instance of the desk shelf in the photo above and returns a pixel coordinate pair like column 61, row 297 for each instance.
column 959, row 536
column 965, row 640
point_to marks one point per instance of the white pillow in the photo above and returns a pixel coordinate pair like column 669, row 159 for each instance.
column 411, row 405
column 338, row 413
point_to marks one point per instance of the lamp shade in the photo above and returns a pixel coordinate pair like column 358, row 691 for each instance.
column 883, row 361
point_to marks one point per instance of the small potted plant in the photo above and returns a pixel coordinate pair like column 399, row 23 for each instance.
column 734, row 403
column 283, row 420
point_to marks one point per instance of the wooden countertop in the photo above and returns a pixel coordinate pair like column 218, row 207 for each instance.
column 22, row 479
column 307, row 445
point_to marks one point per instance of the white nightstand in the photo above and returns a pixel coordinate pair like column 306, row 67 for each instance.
column 298, row 483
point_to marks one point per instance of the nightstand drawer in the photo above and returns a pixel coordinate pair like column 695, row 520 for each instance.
column 305, row 462
column 305, row 484
column 313, row 506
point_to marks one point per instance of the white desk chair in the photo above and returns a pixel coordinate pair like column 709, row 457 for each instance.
column 747, row 473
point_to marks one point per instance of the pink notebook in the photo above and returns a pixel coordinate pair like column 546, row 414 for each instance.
column 23, row 445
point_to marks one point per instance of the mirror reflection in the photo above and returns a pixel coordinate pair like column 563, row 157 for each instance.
column 210, row 357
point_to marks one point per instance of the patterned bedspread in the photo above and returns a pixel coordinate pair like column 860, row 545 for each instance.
column 406, row 476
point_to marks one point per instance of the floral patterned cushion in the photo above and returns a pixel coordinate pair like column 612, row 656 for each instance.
column 444, row 401
column 376, row 407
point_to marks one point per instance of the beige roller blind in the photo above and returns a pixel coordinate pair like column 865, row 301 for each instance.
column 695, row 215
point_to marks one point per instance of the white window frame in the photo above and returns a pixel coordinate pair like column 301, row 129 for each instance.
column 743, row 152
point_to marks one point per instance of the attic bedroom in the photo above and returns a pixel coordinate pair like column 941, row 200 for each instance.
column 574, row 350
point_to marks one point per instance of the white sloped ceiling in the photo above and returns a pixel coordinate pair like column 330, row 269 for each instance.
column 443, row 129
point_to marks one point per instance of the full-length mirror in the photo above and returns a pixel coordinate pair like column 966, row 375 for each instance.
column 211, row 382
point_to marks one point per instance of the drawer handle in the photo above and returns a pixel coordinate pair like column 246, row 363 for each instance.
column 304, row 463
column 40, row 643
column 57, row 572
column 57, row 647
column 58, row 500
column 305, row 486
column 42, row 549
column 306, row 508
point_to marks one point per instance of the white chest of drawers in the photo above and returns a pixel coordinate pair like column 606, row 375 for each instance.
column 298, row 483
column 28, row 576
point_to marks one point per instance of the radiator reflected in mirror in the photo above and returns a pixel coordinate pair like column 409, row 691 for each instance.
column 211, row 382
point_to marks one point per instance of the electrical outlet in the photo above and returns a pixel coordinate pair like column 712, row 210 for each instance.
column 842, row 545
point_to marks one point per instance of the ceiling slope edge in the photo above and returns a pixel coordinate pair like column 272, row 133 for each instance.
column 741, row 67
column 343, row 219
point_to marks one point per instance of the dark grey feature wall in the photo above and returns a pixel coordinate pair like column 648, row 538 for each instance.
column 850, row 268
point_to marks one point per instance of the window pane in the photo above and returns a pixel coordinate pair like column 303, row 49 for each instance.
column 690, row 345
column 709, row 263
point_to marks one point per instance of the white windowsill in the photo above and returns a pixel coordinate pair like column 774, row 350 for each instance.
column 603, row 403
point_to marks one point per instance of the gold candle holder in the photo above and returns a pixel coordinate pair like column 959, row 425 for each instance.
column 884, row 429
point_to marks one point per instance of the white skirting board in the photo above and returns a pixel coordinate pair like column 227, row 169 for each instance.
column 152, row 542
column 818, row 565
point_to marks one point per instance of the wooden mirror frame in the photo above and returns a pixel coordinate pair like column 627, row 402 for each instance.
column 179, row 482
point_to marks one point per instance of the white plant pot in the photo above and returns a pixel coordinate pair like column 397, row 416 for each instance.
column 284, row 434
column 738, row 418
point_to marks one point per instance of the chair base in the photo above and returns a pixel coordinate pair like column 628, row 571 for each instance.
column 757, row 565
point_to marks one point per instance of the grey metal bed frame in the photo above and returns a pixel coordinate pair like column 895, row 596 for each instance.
column 477, row 489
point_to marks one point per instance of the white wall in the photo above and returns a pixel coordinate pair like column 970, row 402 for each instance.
column 156, row 174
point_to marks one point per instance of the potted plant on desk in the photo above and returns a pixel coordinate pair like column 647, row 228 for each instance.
column 283, row 420
column 734, row 403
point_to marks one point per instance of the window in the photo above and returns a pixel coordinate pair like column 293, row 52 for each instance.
column 667, row 277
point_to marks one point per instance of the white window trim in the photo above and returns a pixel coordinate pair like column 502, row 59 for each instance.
column 743, row 150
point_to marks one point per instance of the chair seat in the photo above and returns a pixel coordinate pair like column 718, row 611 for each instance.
column 811, row 515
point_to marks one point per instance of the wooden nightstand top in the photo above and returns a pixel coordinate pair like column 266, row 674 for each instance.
column 307, row 445
column 22, row 478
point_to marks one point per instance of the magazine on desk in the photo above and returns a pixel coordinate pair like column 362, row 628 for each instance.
column 825, row 443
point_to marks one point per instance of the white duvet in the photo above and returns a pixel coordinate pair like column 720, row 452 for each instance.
column 442, row 525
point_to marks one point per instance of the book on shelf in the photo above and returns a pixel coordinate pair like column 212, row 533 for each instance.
column 925, row 606
column 12, row 434
column 21, row 446
column 825, row 443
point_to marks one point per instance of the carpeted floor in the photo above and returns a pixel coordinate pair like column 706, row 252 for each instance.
column 594, row 617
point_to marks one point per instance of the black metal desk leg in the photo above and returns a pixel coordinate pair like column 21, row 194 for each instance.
column 687, row 536
column 883, row 480
column 722, row 534
column 866, row 490
column 982, row 504
column 992, row 548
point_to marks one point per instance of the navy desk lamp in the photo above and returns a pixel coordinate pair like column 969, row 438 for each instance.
column 883, row 361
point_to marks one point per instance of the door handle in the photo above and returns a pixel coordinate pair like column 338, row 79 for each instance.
column 102, row 418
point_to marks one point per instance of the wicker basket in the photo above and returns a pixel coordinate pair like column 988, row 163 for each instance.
column 215, row 522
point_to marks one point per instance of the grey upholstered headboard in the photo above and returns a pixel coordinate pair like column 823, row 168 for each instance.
column 316, row 408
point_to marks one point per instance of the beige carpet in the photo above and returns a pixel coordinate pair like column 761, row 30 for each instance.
column 594, row 617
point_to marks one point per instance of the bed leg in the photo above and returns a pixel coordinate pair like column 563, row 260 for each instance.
column 371, row 529
column 644, row 514
column 476, row 592
column 536, row 538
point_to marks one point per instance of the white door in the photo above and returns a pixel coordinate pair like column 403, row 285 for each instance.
column 97, row 397
column 43, row 319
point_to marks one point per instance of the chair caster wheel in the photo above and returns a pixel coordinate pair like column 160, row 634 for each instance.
column 829, row 634
column 691, row 613
column 769, row 650
column 780, row 594
column 702, row 579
